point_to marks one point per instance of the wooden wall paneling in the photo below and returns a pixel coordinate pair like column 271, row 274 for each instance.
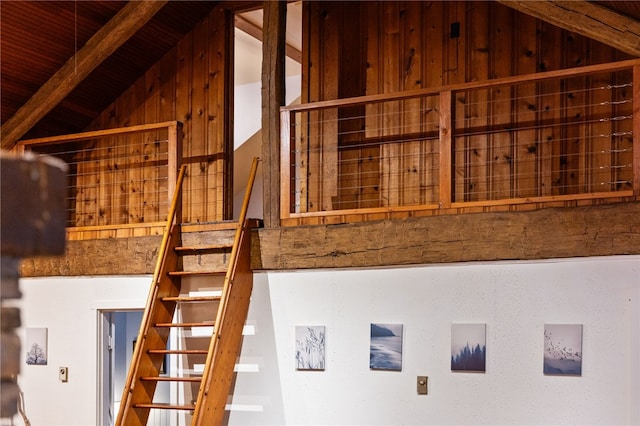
column 151, row 147
column 372, row 166
column 219, row 112
column 184, row 93
column 226, row 82
column 455, row 53
column 500, row 144
column 135, row 163
column 549, row 110
column 432, row 72
column 572, row 155
column 416, row 189
column 477, row 42
column 599, row 173
column 215, row 118
column 122, row 110
column 310, row 171
column 167, row 112
column 525, row 107
column 358, row 164
column 454, row 72
column 350, row 64
column 108, row 120
column 299, row 187
column 323, row 173
column 330, row 65
column 198, row 169
column 391, row 75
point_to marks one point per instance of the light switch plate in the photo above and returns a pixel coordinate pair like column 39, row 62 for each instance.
column 63, row 374
column 422, row 383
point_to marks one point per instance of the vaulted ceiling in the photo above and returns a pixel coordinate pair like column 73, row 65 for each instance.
column 41, row 38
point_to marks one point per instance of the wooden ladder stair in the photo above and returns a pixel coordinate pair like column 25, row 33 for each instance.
column 175, row 273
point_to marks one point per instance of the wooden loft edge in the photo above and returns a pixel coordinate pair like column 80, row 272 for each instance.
column 585, row 18
column 103, row 43
column 600, row 230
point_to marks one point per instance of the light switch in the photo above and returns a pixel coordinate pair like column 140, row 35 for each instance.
column 63, row 374
column 422, row 385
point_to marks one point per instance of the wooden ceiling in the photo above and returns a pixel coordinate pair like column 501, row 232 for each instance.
column 39, row 37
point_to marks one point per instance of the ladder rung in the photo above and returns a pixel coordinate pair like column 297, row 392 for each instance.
column 178, row 351
column 166, row 406
column 170, row 379
column 197, row 249
column 186, row 324
column 191, row 299
column 193, row 273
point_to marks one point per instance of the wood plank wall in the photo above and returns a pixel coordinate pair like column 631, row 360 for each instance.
column 189, row 84
column 366, row 48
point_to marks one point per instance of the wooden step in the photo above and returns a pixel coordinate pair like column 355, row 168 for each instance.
column 185, row 324
column 171, row 379
column 165, row 406
column 178, row 351
column 187, row 299
column 199, row 249
column 196, row 273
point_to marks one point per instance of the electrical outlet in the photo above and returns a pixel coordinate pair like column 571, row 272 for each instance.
column 422, row 385
column 63, row 374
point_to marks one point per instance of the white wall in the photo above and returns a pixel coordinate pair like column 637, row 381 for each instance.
column 69, row 307
column 514, row 299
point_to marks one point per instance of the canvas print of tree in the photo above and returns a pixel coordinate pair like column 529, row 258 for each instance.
column 563, row 349
column 468, row 347
column 385, row 350
column 36, row 345
column 310, row 347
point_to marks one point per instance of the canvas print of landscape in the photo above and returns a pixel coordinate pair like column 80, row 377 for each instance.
column 385, row 350
column 36, row 344
column 563, row 349
column 310, row 347
column 468, row 347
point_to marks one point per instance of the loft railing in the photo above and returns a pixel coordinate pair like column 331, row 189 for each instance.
column 120, row 181
column 562, row 138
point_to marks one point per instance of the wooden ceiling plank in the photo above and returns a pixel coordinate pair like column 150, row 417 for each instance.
column 114, row 33
column 585, row 18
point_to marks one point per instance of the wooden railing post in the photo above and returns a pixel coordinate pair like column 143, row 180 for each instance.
column 636, row 130
column 175, row 137
column 286, row 133
column 446, row 130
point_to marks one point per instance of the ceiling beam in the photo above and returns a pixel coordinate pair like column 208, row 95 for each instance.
column 255, row 31
column 585, row 18
column 103, row 43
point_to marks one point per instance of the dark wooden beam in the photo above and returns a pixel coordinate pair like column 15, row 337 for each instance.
column 118, row 30
column 542, row 234
column 585, row 18
column 603, row 230
column 273, row 97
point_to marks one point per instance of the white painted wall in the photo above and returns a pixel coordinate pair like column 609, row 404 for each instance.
column 514, row 299
column 68, row 307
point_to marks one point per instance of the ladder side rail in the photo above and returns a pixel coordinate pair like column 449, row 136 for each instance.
column 240, row 235
column 145, row 324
